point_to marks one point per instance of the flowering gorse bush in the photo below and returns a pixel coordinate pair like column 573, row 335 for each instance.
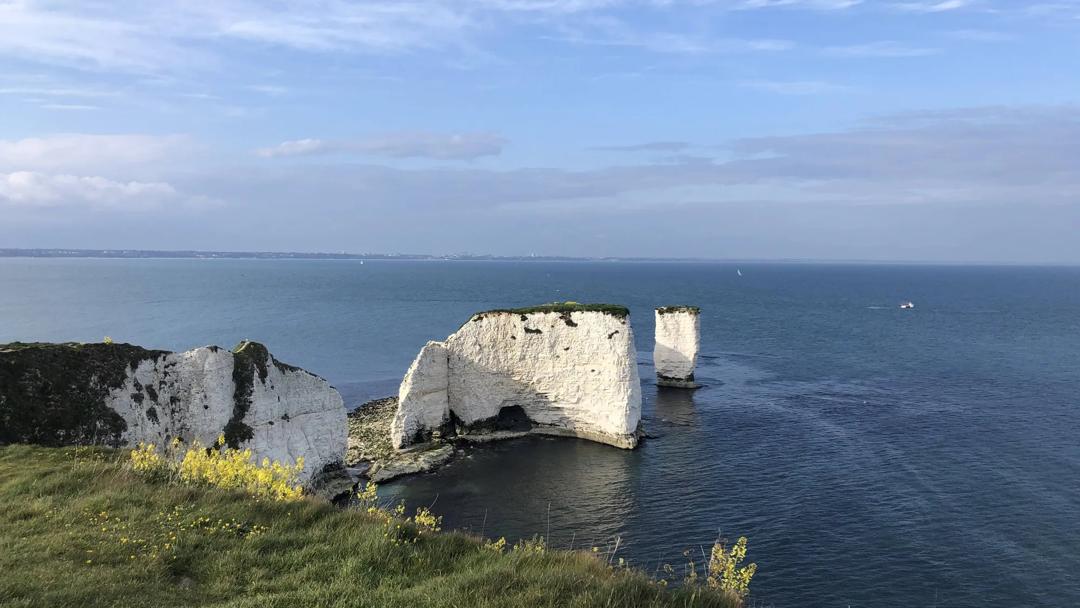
column 724, row 572
column 221, row 467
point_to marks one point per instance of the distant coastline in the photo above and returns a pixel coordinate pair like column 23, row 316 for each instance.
column 294, row 255
column 192, row 254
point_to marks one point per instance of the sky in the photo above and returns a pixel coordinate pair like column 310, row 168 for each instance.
column 923, row 130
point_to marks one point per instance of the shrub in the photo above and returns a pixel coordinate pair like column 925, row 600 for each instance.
column 221, row 467
column 724, row 573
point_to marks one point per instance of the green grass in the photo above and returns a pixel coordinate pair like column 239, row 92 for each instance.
column 66, row 512
column 673, row 309
column 560, row 307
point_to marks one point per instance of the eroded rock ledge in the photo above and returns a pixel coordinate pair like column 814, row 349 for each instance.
column 559, row 369
column 120, row 395
column 371, row 455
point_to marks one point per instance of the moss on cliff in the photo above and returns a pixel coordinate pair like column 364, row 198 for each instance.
column 614, row 310
column 663, row 310
column 249, row 360
column 54, row 394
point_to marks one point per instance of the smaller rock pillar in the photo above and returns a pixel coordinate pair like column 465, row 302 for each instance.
column 677, row 340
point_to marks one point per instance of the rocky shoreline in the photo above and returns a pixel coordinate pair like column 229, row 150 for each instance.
column 370, row 454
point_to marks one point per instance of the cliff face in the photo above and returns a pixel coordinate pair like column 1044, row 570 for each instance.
column 425, row 394
column 57, row 394
column 548, row 370
column 677, row 343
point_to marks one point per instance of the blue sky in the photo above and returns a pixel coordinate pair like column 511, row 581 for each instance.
column 826, row 129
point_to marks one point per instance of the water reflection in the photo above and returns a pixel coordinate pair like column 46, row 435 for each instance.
column 672, row 406
column 569, row 490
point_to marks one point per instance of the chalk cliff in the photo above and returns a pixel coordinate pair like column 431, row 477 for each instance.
column 677, row 342
column 118, row 395
column 564, row 369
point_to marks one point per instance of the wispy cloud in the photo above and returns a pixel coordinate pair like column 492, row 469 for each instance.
column 884, row 48
column 971, row 35
column 795, row 87
column 939, row 6
column 609, row 31
column 461, row 146
column 828, row 5
column 651, row 146
column 73, row 107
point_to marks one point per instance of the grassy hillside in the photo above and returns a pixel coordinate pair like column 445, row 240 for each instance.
column 79, row 529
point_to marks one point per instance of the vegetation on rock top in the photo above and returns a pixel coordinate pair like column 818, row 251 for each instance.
column 562, row 307
column 672, row 309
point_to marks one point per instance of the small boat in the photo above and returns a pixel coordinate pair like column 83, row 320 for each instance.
column 739, row 272
column 907, row 305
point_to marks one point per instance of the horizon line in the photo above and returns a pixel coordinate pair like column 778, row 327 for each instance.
column 126, row 253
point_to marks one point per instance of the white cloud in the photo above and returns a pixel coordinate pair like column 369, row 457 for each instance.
column 34, row 189
column 85, row 152
column 463, row 146
column 296, row 147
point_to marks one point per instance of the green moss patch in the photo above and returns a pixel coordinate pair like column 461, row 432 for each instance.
column 614, row 310
column 663, row 310
column 54, row 394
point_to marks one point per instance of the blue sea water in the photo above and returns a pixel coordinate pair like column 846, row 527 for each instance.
column 873, row 456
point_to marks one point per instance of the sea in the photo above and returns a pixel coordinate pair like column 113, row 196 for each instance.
column 873, row 456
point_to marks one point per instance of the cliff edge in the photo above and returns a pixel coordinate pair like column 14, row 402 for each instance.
column 120, row 395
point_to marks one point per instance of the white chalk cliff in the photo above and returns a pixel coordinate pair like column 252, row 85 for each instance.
column 677, row 341
column 558, row 370
column 278, row 411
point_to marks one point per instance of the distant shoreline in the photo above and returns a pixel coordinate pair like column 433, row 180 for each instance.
column 150, row 254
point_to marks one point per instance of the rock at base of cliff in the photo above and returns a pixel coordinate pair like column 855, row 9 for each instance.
column 687, row 383
column 371, row 453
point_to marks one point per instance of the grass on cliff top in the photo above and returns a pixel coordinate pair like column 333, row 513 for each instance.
column 79, row 529
column 561, row 307
column 673, row 309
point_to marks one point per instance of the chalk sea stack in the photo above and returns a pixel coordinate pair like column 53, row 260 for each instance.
column 120, row 395
column 677, row 341
column 562, row 369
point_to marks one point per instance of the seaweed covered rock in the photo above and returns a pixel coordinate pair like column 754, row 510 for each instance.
column 561, row 369
column 119, row 394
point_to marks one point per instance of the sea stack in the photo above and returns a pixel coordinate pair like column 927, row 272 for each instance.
column 560, row 369
column 677, row 340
